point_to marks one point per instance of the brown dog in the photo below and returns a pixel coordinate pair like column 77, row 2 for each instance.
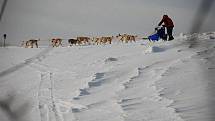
column 30, row 43
column 56, row 42
column 106, row 40
column 83, row 40
column 103, row 40
column 126, row 38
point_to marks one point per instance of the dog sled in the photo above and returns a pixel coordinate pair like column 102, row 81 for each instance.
column 157, row 35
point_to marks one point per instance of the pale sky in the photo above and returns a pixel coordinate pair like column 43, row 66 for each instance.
column 28, row 19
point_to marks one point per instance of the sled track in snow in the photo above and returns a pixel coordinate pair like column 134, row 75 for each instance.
column 46, row 99
column 43, row 108
column 39, row 56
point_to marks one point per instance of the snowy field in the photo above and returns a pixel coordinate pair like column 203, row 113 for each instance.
column 142, row 81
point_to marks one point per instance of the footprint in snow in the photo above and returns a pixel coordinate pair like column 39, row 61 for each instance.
column 110, row 59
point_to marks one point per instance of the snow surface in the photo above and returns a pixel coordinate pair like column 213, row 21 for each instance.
column 142, row 81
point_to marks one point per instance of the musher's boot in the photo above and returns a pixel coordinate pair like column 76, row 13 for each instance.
column 171, row 38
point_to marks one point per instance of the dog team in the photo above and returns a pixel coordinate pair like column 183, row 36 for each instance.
column 56, row 42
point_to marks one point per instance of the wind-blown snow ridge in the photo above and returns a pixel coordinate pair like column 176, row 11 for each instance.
column 98, row 86
column 147, row 98
column 96, row 81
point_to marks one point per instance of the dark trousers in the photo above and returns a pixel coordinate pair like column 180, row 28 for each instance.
column 169, row 32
